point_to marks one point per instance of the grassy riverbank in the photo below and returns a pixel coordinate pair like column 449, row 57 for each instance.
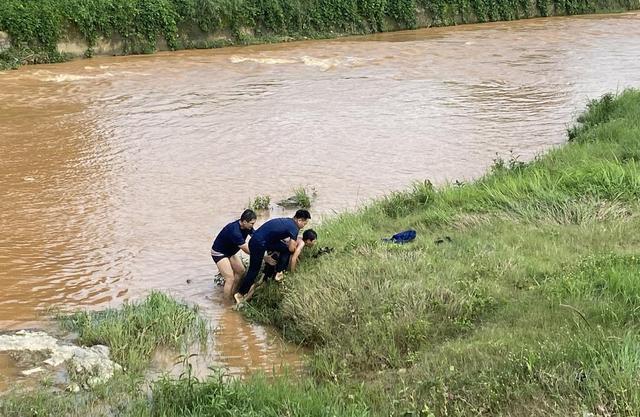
column 531, row 308
column 133, row 332
column 520, row 297
column 36, row 27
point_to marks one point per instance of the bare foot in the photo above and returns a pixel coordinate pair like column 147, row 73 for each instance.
column 279, row 276
column 239, row 298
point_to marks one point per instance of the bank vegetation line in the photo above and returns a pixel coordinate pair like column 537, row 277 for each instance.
column 519, row 297
column 41, row 31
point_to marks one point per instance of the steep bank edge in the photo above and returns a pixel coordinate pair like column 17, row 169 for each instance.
column 57, row 30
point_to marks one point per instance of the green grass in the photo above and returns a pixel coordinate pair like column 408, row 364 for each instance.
column 258, row 396
column 134, row 331
column 303, row 197
column 37, row 26
column 530, row 309
column 188, row 397
column 260, row 202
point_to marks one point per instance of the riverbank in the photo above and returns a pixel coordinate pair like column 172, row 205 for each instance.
column 37, row 31
column 519, row 297
column 133, row 333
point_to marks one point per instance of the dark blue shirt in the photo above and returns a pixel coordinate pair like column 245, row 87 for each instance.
column 275, row 230
column 230, row 238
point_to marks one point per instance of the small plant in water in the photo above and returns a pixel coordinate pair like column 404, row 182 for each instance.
column 511, row 164
column 261, row 202
column 187, row 373
column 303, row 197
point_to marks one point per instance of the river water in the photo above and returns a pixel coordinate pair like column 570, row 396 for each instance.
column 116, row 172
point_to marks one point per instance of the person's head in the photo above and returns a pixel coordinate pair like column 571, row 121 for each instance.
column 247, row 219
column 309, row 237
column 301, row 218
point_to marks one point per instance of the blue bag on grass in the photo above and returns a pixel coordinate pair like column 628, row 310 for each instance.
column 402, row 237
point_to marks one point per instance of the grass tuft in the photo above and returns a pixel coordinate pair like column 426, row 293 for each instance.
column 134, row 331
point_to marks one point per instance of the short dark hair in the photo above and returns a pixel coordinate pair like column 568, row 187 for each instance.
column 248, row 215
column 309, row 234
column 302, row 214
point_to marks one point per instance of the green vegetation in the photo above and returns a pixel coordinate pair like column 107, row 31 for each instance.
column 36, row 26
column 520, row 297
column 134, row 331
column 14, row 57
column 261, row 202
column 531, row 308
column 303, row 197
column 123, row 397
column 257, row 396
column 300, row 199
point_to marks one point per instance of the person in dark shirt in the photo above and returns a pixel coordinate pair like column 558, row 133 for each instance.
column 224, row 251
column 285, row 259
column 269, row 236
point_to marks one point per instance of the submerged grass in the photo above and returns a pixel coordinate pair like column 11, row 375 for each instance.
column 528, row 307
column 260, row 202
column 303, row 197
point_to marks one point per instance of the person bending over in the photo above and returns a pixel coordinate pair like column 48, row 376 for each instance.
column 285, row 259
column 269, row 236
column 224, row 251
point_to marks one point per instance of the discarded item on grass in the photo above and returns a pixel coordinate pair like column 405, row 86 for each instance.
column 402, row 237
column 325, row 250
column 441, row 240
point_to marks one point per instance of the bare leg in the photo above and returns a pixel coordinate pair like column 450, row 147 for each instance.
column 249, row 294
column 238, row 271
column 224, row 266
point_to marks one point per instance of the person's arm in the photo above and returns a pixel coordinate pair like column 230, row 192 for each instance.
column 242, row 242
column 245, row 247
column 296, row 255
column 292, row 245
column 293, row 238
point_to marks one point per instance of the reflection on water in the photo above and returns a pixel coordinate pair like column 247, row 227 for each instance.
column 234, row 346
column 116, row 173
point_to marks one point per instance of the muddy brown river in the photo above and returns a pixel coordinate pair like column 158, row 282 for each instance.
column 117, row 172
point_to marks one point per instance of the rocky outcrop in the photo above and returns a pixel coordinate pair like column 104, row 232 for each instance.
column 92, row 364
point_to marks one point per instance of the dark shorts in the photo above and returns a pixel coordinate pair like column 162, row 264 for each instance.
column 218, row 256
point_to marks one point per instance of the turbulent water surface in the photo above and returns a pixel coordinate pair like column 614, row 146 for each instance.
column 116, row 173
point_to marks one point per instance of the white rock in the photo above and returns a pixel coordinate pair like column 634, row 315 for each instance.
column 93, row 360
column 73, row 387
column 32, row 371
